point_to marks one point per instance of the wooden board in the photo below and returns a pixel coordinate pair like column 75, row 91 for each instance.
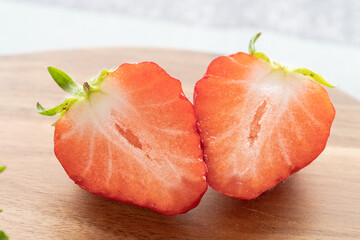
column 40, row 202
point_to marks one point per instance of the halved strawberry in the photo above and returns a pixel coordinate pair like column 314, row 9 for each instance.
column 130, row 135
column 259, row 122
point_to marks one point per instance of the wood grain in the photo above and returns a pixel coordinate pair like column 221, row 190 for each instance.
column 40, row 202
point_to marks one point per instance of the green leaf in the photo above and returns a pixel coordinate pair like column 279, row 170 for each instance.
column 253, row 52
column 262, row 56
column 59, row 109
column 252, row 43
column 50, row 112
column 65, row 82
column 3, row 236
column 316, row 77
column 97, row 81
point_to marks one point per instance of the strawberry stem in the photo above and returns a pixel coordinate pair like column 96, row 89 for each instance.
column 87, row 87
column 74, row 89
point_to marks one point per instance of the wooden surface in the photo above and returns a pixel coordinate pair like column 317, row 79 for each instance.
column 40, row 202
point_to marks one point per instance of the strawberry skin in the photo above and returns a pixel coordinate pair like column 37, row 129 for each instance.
column 258, row 123
column 134, row 140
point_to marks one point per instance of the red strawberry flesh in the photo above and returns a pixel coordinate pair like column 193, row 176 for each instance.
column 135, row 141
column 258, row 124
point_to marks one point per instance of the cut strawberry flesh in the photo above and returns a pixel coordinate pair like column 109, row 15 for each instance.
column 135, row 141
column 258, row 124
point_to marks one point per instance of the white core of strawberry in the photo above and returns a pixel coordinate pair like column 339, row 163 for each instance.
column 102, row 111
column 265, row 105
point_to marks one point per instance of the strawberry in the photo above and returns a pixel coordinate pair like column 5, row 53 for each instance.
column 130, row 135
column 259, row 122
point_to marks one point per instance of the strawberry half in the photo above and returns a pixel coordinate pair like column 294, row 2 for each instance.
column 259, row 122
column 130, row 135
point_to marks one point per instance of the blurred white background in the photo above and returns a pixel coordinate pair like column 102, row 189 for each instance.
column 322, row 35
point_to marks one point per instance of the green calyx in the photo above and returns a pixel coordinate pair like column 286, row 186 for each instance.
column 71, row 87
column 3, row 236
column 304, row 71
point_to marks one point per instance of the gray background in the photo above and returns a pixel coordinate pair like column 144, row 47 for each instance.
column 330, row 20
column 322, row 35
